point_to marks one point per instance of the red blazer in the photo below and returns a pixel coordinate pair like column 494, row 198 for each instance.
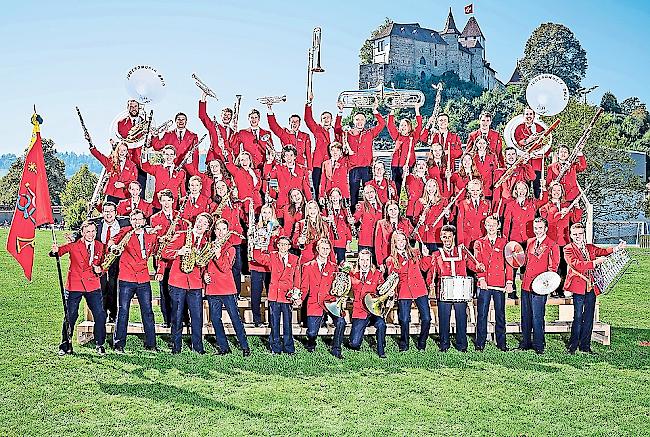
column 288, row 181
column 234, row 215
column 427, row 232
column 133, row 268
column 193, row 209
column 246, row 185
column 220, row 271
column 523, row 172
column 322, row 136
column 300, row 141
column 342, row 228
column 523, row 132
column 570, row 179
column 384, row 231
column 283, row 277
column 124, row 126
column 414, row 190
column 289, row 220
column 81, row 276
column 402, row 143
column 558, row 226
column 206, row 181
column 495, row 145
column 126, row 206
column 316, row 286
column 411, row 282
column 309, row 252
column 518, row 220
column 441, row 264
column 226, row 134
column 458, row 182
column 127, row 175
column 174, row 182
column 385, row 189
column 437, row 172
column 581, row 268
column 160, row 219
column 246, row 140
column 187, row 281
column 452, row 143
column 545, row 259
column 361, row 144
column 492, row 257
column 335, row 176
column 469, row 222
column 360, row 289
column 487, row 167
column 368, row 217
column 182, row 146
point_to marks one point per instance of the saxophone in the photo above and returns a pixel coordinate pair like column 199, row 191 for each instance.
column 116, row 250
column 165, row 239
column 188, row 261
column 222, row 204
column 207, row 252
column 381, row 306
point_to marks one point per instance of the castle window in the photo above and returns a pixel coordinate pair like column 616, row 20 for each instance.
column 380, row 46
column 435, row 62
column 423, row 61
column 422, row 76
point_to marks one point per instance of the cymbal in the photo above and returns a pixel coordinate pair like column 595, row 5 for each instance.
column 546, row 283
column 514, row 254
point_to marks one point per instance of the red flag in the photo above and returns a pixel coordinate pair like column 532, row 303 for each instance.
column 469, row 9
column 33, row 207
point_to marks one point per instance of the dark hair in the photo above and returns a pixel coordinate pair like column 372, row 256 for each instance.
column 108, row 203
column 228, row 110
column 487, row 114
column 443, row 114
column 254, row 111
column 136, row 211
column 289, row 148
column 166, row 192
column 296, row 116
column 541, row 220
column 180, row 113
column 325, row 112
column 448, row 228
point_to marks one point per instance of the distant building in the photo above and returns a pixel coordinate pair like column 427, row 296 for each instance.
column 421, row 52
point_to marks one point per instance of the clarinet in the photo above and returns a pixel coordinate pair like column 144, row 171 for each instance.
column 190, row 153
column 330, row 214
column 348, row 213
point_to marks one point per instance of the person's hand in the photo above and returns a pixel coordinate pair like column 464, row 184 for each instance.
column 158, row 277
column 425, row 250
column 564, row 211
column 351, row 221
column 482, row 283
column 97, row 269
column 417, row 109
column 480, row 267
column 448, row 173
column 55, row 248
column 382, row 269
column 620, row 246
column 405, row 170
column 447, row 212
column 310, row 97
column 69, row 238
column 270, row 106
column 339, row 105
column 207, row 278
column 509, row 287
column 599, row 260
column 204, row 97
column 119, row 185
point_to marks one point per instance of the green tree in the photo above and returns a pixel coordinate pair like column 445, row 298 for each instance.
column 78, row 192
column 609, row 103
column 629, row 105
column 553, row 48
column 365, row 53
column 9, row 182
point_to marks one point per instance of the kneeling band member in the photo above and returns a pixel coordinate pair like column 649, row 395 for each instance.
column 83, row 281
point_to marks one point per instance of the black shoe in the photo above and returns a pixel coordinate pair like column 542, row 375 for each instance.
column 571, row 351
column 462, row 350
column 246, row 352
column 176, row 351
column 310, row 349
column 118, row 350
column 151, row 349
column 589, row 351
column 444, row 349
column 224, row 352
column 382, row 355
column 337, row 355
column 479, row 348
column 111, row 319
column 65, row 351
column 539, row 351
column 512, row 295
column 503, row 349
column 100, row 350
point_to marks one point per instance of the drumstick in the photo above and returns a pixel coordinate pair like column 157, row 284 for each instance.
column 471, row 256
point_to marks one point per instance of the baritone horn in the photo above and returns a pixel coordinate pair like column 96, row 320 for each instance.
column 396, row 98
column 313, row 55
column 203, row 87
column 380, row 306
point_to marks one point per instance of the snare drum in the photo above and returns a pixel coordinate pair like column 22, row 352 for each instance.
column 456, row 289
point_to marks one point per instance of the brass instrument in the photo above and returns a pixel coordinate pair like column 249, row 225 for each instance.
column 207, row 252
column 162, row 128
column 222, row 204
column 580, row 145
column 396, row 98
column 272, row 100
column 188, row 261
column 270, row 151
column 116, row 250
column 235, row 112
column 380, row 306
column 313, row 55
column 361, row 98
column 139, row 131
column 295, row 296
column 189, row 153
column 340, row 289
column 165, row 239
column 203, row 87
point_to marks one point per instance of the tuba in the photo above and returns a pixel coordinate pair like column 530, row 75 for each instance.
column 396, row 98
column 361, row 98
column 381, row 305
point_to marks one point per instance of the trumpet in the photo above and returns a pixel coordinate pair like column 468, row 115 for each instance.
column 272, row 100
column 203, row 87
column 155, row 131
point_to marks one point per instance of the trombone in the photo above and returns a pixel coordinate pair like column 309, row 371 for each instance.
column 203, row 87
column 313, row 54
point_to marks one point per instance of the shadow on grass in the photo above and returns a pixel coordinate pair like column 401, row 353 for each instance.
column 167, row 394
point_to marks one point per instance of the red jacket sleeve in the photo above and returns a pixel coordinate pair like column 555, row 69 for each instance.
column 392, row 129
column 381, row 123
column 103, row 159
column 276, row 129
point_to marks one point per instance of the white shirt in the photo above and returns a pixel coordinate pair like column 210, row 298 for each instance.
column 321, row 264
column 114, row 228
column 180, row 134
column 143, row 250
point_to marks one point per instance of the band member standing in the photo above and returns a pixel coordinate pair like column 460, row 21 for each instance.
column 107, row 228
column 542, row 255
column 182, row 139
column 220, row 133
column 285, row 278
column 134, row 117
column 486, row 164
column 247, row 179
column 294, row 137
column 408, row 264
column 415, row 186
column 196, row 201
column 135, row 201
column 315, row 285
column 186, row 289
column 525, row 135
column 83, row 281
column 427, row 210
column 405, row 141
column 338, row 220
column 309, row 231
column 253, row 140
column 289, row 174
column 450, row 141
column 368, row 213
column 166, row 175
column 335, row 171
column 121, row 171
column 292, row 212
column 472, row 213
column 570, row 179
column 466, row 172
column 134, row 279
column 493, row 283
column 582, row 258
column 386, row 227
column 360, row 141
column 324, row 134
column 385, row 189
column 523, row 171
column 492, row 137
column 365, row 280
column 220, row 291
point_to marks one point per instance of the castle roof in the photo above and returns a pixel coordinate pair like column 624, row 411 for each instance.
column 472, row 29
column 515, row 79
column 411, row 30
column 472, row 44
column 450, row 25
column 487, row 65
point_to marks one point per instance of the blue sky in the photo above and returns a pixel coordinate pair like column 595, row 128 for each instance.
column 61, row 54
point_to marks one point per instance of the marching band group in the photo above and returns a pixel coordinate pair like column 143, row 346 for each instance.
column 460, row 207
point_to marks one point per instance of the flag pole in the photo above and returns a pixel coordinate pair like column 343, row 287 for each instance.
column 66, row 321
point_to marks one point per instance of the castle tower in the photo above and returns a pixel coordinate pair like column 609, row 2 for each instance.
column 450, row 34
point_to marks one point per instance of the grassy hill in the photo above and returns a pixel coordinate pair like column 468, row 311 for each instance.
column 413, row 393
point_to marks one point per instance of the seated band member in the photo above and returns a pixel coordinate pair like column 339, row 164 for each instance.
column 196, row 202
column 252, row 140
column 292, row 212
column 336, row 216
column 451, row 143
column 525, row 135
column 324, row 134
column 493, row 283
column 360, row 139
column 289, row 174
column 466, row 172
column 186, row 289
column 309, row 231
column 182, row 139
column 83, row 281
column 294, row 137
column 542, row 255
column 385, row 228
column 451, row 260
column 471, row 214
column 220, row 291
column 121, row 172
column 166, row 175
column 247, row 179
column 107, row 228
column 582, row 258
column 502, row 194
column 315, row 285
column 405, row 138
column 135, row 201
column 570, row 179
column 385, row 188
column 221, row 134
column 492, row 137
column 285, row 278
column 335, row 172
column 138, row 247
column 486, row 164
column 368, row 213
column 408, row 264
column 415, row 186
column 366, row 278
column 427, row 210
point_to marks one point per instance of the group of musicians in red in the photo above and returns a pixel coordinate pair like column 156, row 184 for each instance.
column 289, row 220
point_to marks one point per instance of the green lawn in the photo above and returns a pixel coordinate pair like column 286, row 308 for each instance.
column 413, row 393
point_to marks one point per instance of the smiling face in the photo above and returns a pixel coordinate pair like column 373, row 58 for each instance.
column 296, row 196
column 491, row 226
column 481, row 145
column 556, row 192
column 359, row 121
column 109, row 213
column 245, row 160
column 134, row 108
column 326, row 119
column 324, row 249
column 195, row 187
column 474, row 189
column 485, row 123
column 393, row 212
column 539, row 229
column 89, row 232
column 467, row 163
column 221, row 230
column 563, row 153
column 169, row 156
column 436, row 148
column 369, row 193
column 405, row 127
column 215, row 169
column 312, row 210
column 365, row 261
column 511, row 156
column 578, row 236
column 521, row 189
column 221, row 189
column 294, row 124
column 283, row 246
column 122, row 151
column 166, row 202
column 289, row 157
column 181, row 121
column 226, row 116
column 254, row 120
column 266, row 213
column 201, row 224
column 529, row 115
column 134, row 189
column 400, row 241
column 137, row 220
column 420, row 168
column 447, row 238
column 443, row 122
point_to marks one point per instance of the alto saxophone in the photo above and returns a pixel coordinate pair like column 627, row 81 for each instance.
column 207, row 252
column 188, row 261
column 116, row 250
column 165, row 239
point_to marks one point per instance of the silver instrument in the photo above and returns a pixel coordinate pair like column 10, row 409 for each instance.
column 155, row 131
column 272, row 100
column 203, row 87
column 456, row 289
column 313, row 56
column 607, row 274
column 546, row 283
column 361, row 98
column 396, row 98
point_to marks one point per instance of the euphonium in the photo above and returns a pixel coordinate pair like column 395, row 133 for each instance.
column 360, row 98
column 401, row 98
column 116, row 250
column 340, row 289
column 380, row 306
column 188, row 261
